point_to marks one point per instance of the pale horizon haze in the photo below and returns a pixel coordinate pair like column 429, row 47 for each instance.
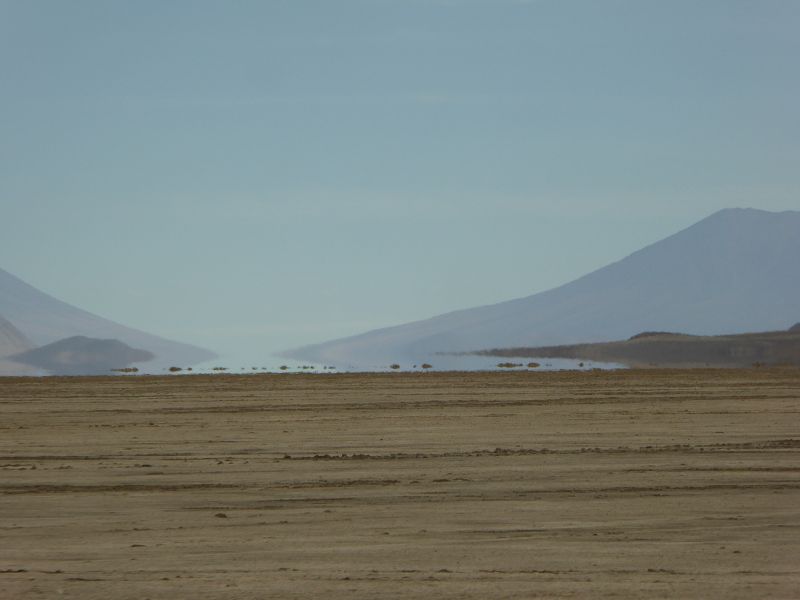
column 255, row 176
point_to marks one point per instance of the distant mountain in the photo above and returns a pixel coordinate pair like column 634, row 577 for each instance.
column 44, row 319
column 735, row 271
column 671, row 350
column 80, row 355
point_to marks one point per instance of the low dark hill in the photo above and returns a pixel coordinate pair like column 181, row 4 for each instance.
column 669, row 350
column 81, row 355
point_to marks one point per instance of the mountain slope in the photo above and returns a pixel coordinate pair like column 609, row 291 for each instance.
column 733, row 271
column 44, row 319
column 12, row 340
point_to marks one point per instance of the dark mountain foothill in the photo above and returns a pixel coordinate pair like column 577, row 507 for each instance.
column 81, row 355
column 669, row 350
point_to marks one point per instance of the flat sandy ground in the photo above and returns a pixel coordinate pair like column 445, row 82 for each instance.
column 645, row 484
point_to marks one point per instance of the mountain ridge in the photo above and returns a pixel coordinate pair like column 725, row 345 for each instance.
column 727, row 272
column 45, row 319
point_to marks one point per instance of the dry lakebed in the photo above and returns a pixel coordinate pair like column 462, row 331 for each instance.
column 606, row 484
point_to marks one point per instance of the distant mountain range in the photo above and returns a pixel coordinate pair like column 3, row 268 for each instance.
column 735, row 271
column 30, row 318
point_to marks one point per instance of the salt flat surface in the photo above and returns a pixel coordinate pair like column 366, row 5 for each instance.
column 657, row 484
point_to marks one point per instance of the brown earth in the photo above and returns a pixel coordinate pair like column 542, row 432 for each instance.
column 645, row 484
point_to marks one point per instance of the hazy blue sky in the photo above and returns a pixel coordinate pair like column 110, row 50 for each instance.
column 250, row 176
